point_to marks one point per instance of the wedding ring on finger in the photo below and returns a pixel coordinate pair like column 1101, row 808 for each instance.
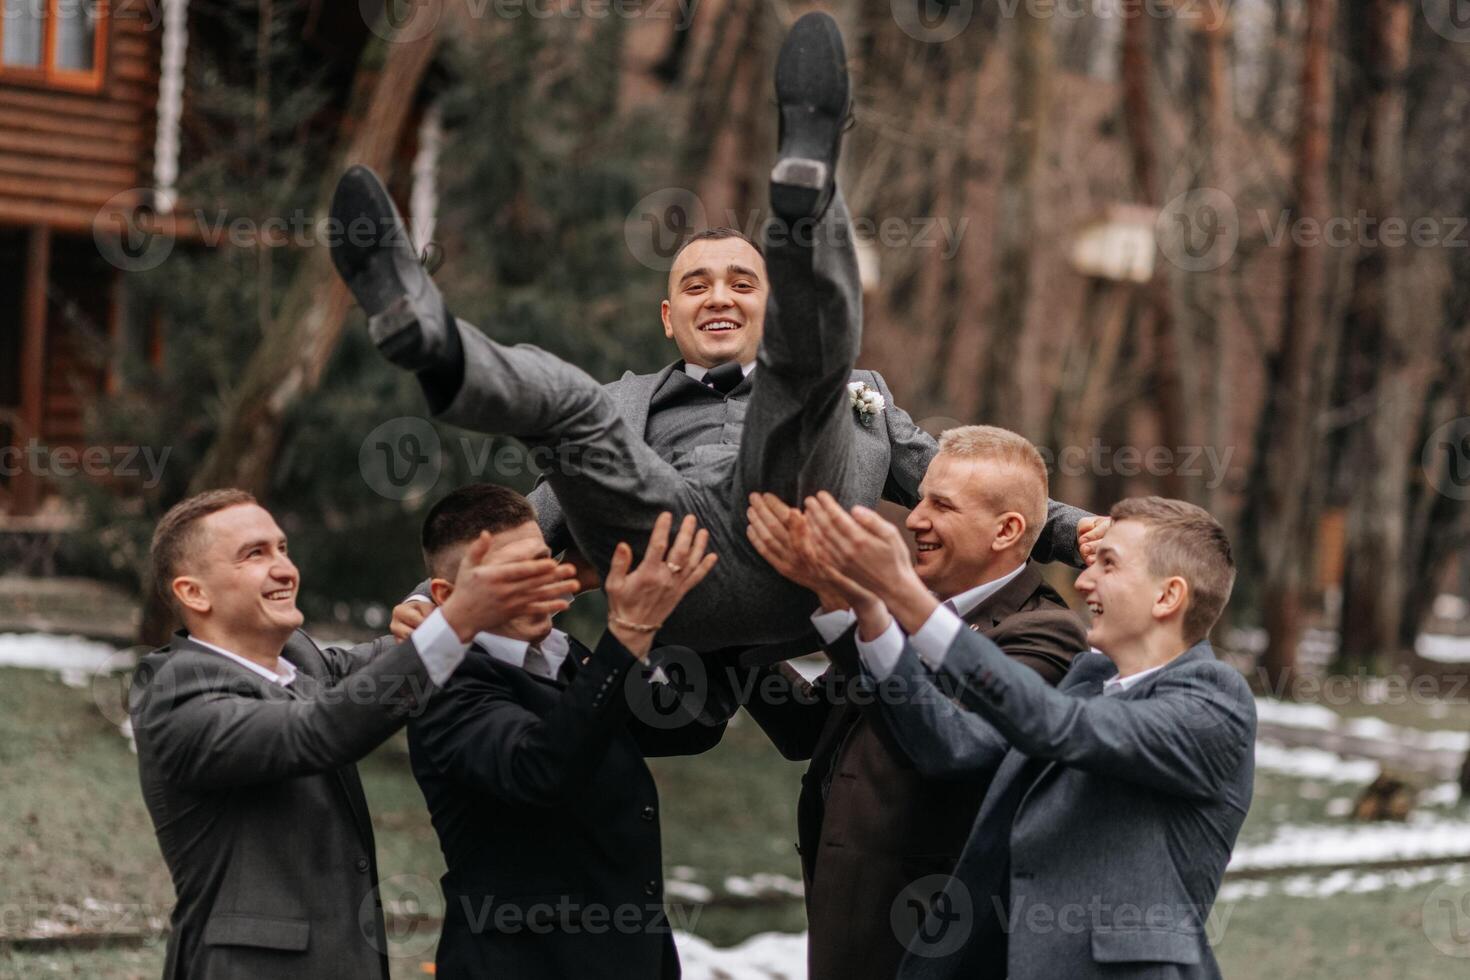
column 674, row 567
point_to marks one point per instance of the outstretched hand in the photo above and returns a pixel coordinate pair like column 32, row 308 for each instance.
column 871, row 554
column 638, row 601
column 779, row 534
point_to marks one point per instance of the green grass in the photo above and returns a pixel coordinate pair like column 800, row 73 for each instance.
column 75, row 829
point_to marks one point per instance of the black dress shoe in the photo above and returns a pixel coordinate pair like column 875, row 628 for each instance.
column 813, row 95
column 374, row 255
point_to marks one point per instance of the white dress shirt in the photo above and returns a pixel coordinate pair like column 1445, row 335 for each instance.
column 880, row 655
column 554, row 648
column 697, row 373
column 283, row 675
column 1117, row 685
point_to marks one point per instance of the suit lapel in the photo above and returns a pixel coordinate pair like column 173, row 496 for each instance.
column 634, row 394
column 1006, row 602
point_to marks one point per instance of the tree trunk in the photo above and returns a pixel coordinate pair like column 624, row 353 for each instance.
column 1374, row 581
column 1282, row 508
column 1173, row 409
column 1002, row 401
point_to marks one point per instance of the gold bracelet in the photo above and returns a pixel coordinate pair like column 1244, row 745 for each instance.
column 613, row 617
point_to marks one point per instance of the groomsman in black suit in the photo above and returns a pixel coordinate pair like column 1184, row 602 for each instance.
column 248, row 732
column 532, row 763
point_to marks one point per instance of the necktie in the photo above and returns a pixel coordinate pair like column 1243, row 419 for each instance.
column 725, row 377
column 536, row 663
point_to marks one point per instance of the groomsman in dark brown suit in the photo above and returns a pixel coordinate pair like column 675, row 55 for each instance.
column 874, row 823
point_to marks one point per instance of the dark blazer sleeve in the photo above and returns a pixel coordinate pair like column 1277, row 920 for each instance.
column 342, row 661
column 933, row 734
column 207, row 737
column 1187, row 738
column 476, row 732
column 549, row 515
column 910, row 451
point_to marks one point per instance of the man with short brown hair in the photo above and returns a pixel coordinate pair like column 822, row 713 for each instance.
column 1135, row 774
column 248, row 732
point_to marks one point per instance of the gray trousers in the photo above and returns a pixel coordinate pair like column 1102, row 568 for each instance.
column 797, row 439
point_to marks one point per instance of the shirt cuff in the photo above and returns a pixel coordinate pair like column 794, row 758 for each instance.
column 439, row 647
column 934, row 638
column 881, row 655
column 831, row 625
column 420, row 597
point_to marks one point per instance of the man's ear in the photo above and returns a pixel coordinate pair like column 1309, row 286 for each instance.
column 440, row 589
column 663, row 312
column 1012, row 529
column 1173, row 598
column 191, row 595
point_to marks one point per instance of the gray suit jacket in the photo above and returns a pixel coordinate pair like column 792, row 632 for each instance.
column 892, row 459
column 258, row 808
column 1103, row 838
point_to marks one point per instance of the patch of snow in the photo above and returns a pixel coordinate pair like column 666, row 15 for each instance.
column 1443, row 648
column 72, row 656
column 1339, row 806
column 689, row 891
column 1423, row 836
column 767, row 956
column 1309, row 763
column 1340, row 882
column 763, row 884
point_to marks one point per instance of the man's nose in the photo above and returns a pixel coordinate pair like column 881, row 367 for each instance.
column 719, row 297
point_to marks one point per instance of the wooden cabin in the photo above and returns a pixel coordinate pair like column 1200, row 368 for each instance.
column 93, row 102
column 78, row 97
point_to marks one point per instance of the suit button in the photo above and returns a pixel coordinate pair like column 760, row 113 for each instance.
column 648, row 813
column 362, row 865
column 650, row 888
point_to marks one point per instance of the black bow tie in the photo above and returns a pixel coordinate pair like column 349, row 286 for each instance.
column 725, row 377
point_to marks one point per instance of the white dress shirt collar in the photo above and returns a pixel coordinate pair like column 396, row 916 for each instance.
column 697, row 373
column 555, row 648
column 967, row 602
column 284, row 675
column 1117, row 685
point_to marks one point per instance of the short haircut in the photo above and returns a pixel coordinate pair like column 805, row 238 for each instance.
column 460, row 517
column 719, row 234
column 1184, row 540
column 177, row 536
column 989, row 442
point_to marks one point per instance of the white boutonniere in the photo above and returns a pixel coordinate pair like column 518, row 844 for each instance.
column 866, row 401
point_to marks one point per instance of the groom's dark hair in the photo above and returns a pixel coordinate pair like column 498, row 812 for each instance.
column 460, row 517
column 717, row 234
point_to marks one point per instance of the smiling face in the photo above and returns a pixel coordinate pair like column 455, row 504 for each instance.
column 964, row 536
column 716, row 308
column 521, row 543
column 1128, row 602
column 238, row 579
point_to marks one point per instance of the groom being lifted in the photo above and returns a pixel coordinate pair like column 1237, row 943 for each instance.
column 760, row 403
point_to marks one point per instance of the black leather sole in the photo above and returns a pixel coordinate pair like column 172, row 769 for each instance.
column 813, row 94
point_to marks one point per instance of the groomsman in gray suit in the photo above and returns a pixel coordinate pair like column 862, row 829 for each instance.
column 248, row 732
column 761, row 402
column 1102, row 840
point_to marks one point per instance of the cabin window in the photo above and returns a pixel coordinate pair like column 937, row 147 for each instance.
column 54, row 42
